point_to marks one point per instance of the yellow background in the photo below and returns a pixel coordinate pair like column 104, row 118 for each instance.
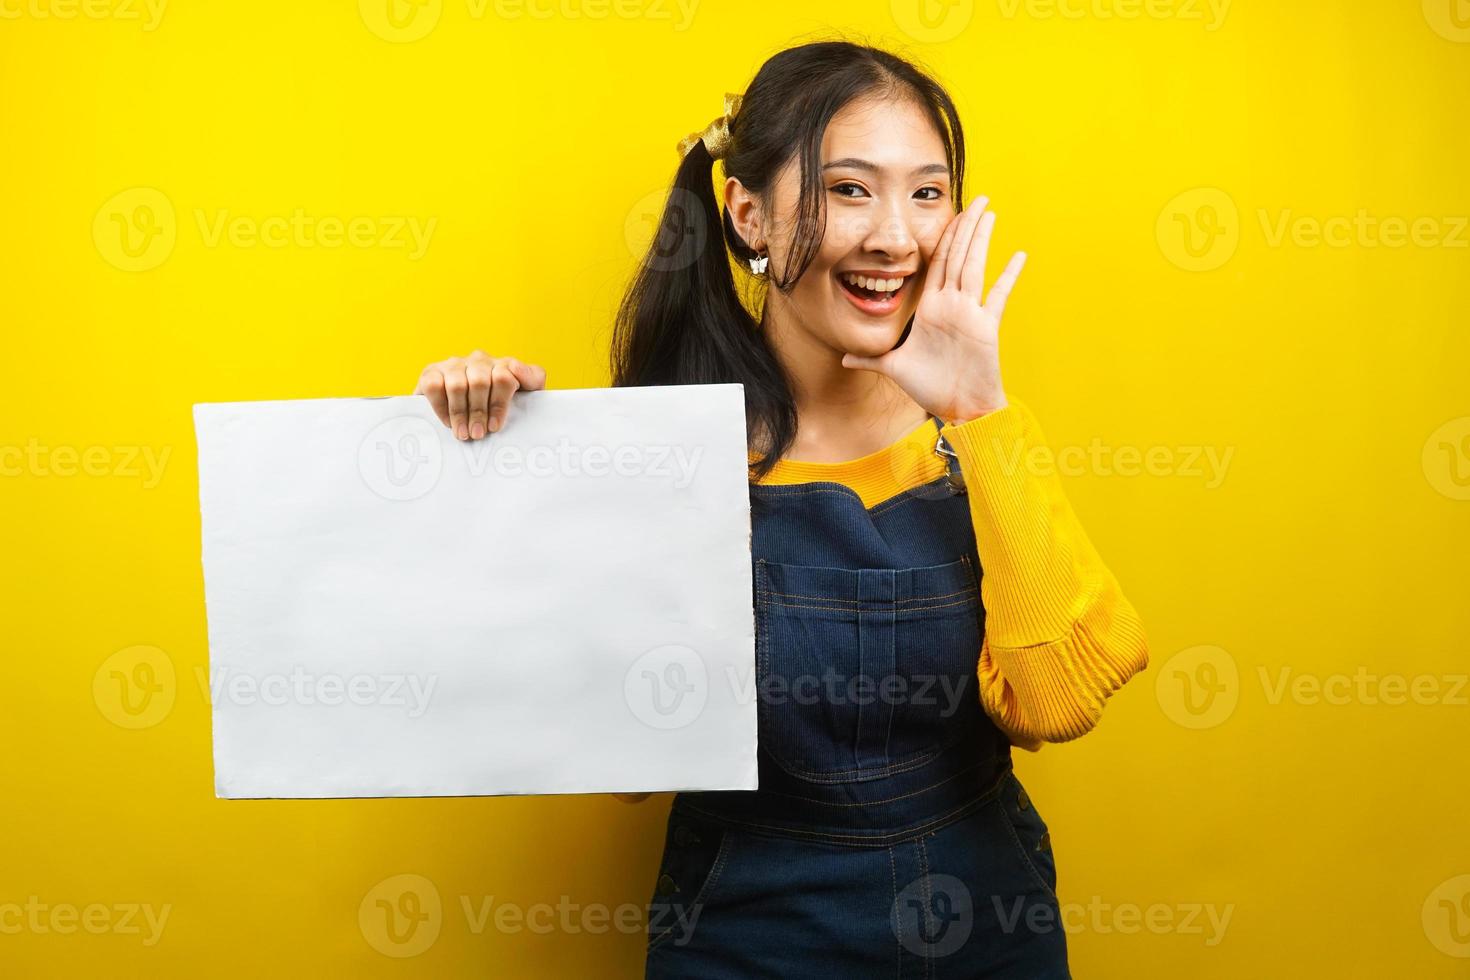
column 533, row 135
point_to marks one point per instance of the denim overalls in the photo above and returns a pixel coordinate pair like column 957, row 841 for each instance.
column 889, row 836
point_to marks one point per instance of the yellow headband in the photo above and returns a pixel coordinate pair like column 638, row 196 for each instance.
column 716, row 135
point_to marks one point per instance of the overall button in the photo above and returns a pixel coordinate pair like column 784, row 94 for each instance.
column 666, row 885
column 1045, row 841
column 683, row 836
column 1022, row 800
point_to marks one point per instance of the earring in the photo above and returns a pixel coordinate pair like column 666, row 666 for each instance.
column 758, row 264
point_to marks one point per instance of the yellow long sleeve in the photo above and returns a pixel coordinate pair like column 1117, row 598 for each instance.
column 1060, row 637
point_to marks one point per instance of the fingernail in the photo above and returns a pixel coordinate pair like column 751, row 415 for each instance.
column 477, row 430
column 494, row 423
column 462, row 432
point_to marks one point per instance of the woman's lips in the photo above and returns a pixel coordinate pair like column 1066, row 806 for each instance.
column 871, row 303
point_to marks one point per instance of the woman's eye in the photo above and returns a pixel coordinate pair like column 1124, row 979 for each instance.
column 838, row 189
column 937, row 193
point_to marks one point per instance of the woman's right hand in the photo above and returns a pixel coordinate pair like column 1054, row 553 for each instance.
column 472, row 394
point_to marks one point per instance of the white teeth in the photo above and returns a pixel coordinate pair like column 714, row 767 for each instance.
column 877, row 285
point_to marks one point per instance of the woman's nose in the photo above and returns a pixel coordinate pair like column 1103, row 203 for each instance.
column 892, row 234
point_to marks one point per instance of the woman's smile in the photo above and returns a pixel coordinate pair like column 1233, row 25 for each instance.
column 875, row 293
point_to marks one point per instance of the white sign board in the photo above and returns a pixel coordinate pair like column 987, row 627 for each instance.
column 561, row 607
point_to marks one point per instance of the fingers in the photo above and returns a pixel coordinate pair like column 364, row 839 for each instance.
column 532, row 377
column 456, row 391
column 934, row 276
column 505, row 385
column 431, row 386
column 860, row 363
column 478, row 372
column 995, row 300
column 955, row 262
column 471, row 395
column 972, row 278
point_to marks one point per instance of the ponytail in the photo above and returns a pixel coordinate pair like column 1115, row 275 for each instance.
column 682, row 321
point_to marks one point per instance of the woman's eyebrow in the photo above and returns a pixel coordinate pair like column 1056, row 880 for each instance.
column 856, row 164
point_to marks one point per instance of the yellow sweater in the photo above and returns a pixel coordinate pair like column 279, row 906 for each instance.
column 1060, row 637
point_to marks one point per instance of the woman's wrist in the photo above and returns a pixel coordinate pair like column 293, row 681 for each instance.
column 971, row 410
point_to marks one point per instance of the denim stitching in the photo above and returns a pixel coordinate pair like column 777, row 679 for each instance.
column 837, row 776
column 1005, row 813
column 897, row 913
column 891, row 799
column 968, row 590
column 869, row 840
column 832, row 609
column 763, row 668
column 928, row 903
column 716, row 868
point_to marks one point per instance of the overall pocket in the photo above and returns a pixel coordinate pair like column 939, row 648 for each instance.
column 862, row 673
column 1029, row 834
column 694, row 858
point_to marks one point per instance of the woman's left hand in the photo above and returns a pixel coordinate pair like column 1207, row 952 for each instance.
column 950, row 361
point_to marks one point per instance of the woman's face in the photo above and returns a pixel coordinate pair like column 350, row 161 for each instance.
column 885, row 187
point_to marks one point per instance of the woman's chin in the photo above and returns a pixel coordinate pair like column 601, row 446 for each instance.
column 874, row 341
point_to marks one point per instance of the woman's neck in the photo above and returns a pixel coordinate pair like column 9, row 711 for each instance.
column 842, row 413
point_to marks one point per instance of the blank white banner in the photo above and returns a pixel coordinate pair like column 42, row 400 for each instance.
column 561, row 607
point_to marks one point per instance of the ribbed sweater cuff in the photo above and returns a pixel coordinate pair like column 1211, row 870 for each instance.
column 1057, row 691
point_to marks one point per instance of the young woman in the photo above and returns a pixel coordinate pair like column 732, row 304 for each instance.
column 923, row 604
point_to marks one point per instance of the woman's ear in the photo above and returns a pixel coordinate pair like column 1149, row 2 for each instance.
column 744, row 211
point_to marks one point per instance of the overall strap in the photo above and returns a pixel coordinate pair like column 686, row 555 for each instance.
column 951, row 460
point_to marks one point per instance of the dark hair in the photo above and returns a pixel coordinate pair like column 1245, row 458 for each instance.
column 681, row 320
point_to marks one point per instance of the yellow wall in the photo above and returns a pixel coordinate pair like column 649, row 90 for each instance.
column 1325, row 544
